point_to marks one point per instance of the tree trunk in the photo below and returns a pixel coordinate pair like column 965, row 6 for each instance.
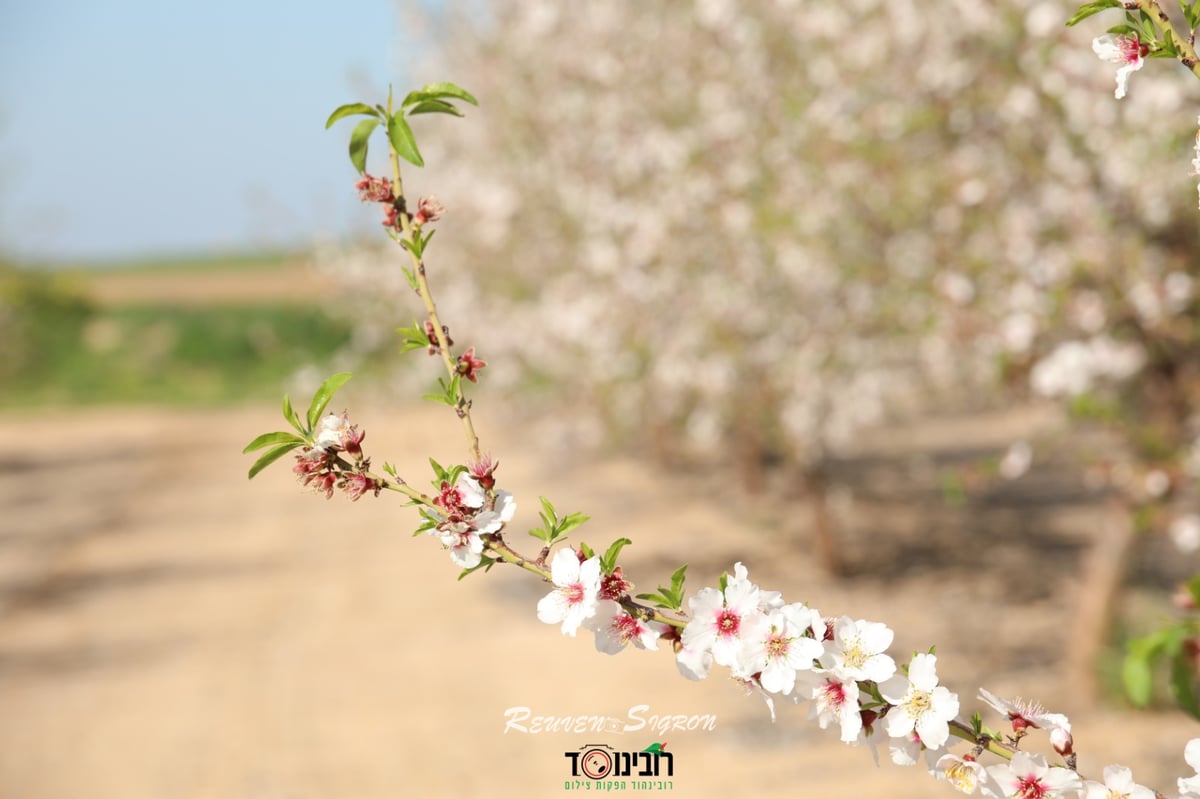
column 1102, row 576
column 824, row 536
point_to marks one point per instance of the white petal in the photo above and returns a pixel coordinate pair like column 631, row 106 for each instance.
column 741, row 597
column 876, row 637
column 1191, row 753
column 564, row 569
column 922, row 672
column 505, row 505
column 589, row 574
column 879, row 668
column 803, row 651
column 851, row 723
column 471, row 492
column 944, row 703
column 694, row 663
column 933, row 731
column 468, row 554
column 1106, row 48
column 899, row 724
column 552, row 608
column 778, row 678
column 894, row 690
column 648, row 637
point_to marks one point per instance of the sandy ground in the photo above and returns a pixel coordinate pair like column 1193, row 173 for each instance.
column 169, row 629
column 297, row 282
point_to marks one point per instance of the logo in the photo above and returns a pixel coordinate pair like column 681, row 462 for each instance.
column 639, row 718
column 600, row 762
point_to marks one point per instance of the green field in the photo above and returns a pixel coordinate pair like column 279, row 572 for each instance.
column 185, row 331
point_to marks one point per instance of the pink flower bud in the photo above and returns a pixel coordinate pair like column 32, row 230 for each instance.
column 429, row 209
column 484, row 470
column 433, row 342
column 375, row 190
column 614, row 586
column 469, row 365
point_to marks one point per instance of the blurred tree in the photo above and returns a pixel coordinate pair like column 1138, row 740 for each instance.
column 752, row 231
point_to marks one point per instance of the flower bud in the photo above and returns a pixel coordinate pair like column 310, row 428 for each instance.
column 429, row 209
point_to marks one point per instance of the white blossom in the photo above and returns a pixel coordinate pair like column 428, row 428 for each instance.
column 573, row 601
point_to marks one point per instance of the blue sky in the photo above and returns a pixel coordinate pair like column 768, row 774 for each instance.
column 155, row 127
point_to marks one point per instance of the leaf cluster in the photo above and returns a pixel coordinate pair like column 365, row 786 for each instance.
column 1169, row 645
column 671, row 596
column 442, row 475
column 283, row 442
column 434, row 98
column 413, row 338
column 449, row 395
column 553, row 527
column 608, row 561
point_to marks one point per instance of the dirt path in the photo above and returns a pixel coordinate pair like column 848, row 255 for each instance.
column 168, row 629
column 299, row 282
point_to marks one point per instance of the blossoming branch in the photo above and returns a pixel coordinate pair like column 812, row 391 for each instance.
column 778, row 649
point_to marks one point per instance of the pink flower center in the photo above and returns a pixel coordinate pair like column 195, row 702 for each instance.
column 835, row 694
column 1030, row 787
column 1132, row 50
column 574, row 593
column 777, row 646
column 626, row 627
column 728, row 623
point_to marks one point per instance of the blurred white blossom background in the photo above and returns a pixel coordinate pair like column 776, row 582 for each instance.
column 762, row 227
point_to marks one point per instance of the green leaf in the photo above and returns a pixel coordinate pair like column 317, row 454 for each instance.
column 1090, row 9
column 358, row 143
column 266, row 439
column 402, row 139
column 409, row 345
column 1138, row 679
column 447, row 89
column 325, row 393
column 677, row 578
column 449, row 393
column 411, row 278
column 1183, row 684
column 659, row 600
column 572, row 521
column 453, row 473
column 348, row 110
column 293, row 419
column 1123, row 30
column 551, row 516
column 1193, row 587
column 587, row 551
column 432, row 106
column 609, row 561
column 485, row 563
column 1169, row 47
column 414, row 337
column 270, row 457
column 428, row 522
column 417, row 247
